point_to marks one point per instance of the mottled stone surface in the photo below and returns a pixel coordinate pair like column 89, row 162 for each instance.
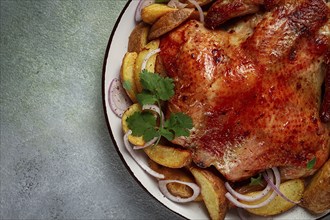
column 57, row 158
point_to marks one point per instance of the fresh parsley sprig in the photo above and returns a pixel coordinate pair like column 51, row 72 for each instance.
column 256, row 180
column 311, row 163
column 155, row 90
column 143, row 124
column 161, row 1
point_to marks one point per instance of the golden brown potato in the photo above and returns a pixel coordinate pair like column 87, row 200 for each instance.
column 213, row 192
column 292, row 189
column 138, row 38
column 316, row 197
column 195, row 16
column 152, row 45
column 153, row 12
column 176, row 189
column 167, row 156
column 168, row 22
column 127, row 75
column 132, row 139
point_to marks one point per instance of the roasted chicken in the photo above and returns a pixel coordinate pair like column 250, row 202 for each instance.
column 253, row 87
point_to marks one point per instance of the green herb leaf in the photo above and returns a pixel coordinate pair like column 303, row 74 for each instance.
column 145, row 98
column 311, row 163
column 161, row 87
column 255, row 181
column 161, row 1
column 127, row 85
column 179, row 123
column 166, row 133
column 150, row 134
column 156, row 89
column 143, row 124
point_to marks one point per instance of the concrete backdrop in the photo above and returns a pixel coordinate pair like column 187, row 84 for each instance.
column 57, row 158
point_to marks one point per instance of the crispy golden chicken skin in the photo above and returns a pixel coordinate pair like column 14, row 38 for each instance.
column 254, row 91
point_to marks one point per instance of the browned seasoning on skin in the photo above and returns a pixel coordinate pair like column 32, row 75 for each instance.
column 254, row 101
column 325, row 107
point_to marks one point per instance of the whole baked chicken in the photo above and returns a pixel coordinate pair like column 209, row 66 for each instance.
column 253, row 88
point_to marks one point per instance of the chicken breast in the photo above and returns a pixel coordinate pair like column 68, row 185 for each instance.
column 253, row 91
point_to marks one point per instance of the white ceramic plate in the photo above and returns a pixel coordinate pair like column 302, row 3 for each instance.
column 115, row 51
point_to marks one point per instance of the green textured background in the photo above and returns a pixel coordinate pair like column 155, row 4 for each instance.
column 57, row 157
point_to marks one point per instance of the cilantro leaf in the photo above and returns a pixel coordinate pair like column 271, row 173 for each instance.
column 156, row 89
column 143, row 124
column 161, row 1
column 311, row 163
column 166, row 133
column 179, row 123
column 161, row 87
column 255, row 181
column 127, row 85
column 145, row 98
column 150, row 134
column 165, row 89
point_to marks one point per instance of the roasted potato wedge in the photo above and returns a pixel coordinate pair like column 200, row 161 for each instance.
column 213, row 192
column 168, row 156
column 127, row 75
column 195, row 15
column 168, row 22
column 316, row 197
column 152, row 45
column 138, row 38
column 153, row 12
column 176, row 189
column 292, row 189
column 132, row 139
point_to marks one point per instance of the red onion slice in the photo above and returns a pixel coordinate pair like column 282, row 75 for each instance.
column 248, row 198
column 162, row 186
column 147, row 144
column 138, row 160
column 276, row 188
column 200, row 10
column 140, row 6
column 239, row 204
column 118, row 99
column 147, row 57
column 156, row 109
column 176, row 4
column 246, row 206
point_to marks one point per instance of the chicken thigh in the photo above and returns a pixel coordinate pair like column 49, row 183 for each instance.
column 253, row 90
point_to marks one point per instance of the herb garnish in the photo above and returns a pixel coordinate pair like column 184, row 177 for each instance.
column 155, row 88
column 256, row 181
column 311, row 163
column 127, row 85
column 143, row 123
column 161, row 1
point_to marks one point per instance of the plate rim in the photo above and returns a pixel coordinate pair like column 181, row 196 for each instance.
column 104, row 104
column 104, row 67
